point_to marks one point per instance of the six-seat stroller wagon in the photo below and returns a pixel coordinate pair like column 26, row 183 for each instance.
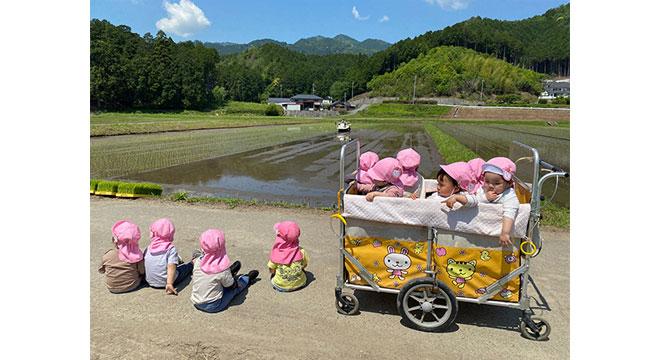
column 434, row 257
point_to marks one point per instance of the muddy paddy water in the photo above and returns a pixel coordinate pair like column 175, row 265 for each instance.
column 301, row 172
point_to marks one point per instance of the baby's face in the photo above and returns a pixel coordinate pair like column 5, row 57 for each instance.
column 445, row 186
column 496, row 183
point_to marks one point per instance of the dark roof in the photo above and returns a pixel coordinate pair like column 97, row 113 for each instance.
column 557, row 85
column 278, row 100
column 305, row 97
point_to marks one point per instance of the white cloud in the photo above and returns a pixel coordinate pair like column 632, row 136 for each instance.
column 384, row 18
column 184, row 18
column 450, row 4
column 356, row 15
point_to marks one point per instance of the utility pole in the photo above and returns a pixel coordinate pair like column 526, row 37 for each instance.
column 351, row 89
column 414, row 89
column 313, row 89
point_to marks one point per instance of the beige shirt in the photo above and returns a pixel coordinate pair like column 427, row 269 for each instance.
column 120, row 276
column 207, row 288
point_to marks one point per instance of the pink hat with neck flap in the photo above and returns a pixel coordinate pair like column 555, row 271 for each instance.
column 409, row 160
column 127, row 236
column 162, row 234
column 286, row 248
column 501, row 166
column 367, row 161
column 215, row 259
column 388, row 170
column 460, row 171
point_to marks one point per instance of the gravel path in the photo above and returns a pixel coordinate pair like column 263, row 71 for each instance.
column 264, row 324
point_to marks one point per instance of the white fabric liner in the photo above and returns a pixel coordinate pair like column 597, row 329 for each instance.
column 484, row 219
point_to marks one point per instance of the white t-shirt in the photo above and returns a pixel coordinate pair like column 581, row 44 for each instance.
column 508, row 199
column 155, row 266
column 207, row 288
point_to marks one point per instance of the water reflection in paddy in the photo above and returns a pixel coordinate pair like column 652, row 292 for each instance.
column 298, row 172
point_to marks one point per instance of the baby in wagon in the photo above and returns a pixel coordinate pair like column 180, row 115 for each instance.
column 497, row 188
column 412, row 181
column 382, row 180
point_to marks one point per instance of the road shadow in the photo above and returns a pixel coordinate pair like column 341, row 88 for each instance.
column 482, row 315
column 240, row 297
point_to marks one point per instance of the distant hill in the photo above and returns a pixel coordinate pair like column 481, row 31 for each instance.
column 540, row 43
column 451, row 70
column 317, row 45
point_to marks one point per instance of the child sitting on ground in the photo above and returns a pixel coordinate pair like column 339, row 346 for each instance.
column 385, row 176
column 123, row 266
column 214, row 281
column 411, row 180
column 287, row 259
column 498, row 188
column 161, row 260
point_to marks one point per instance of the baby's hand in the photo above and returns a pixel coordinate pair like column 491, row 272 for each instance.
column 505, row 240
column 450, row 201
column 170, row 290
column 413, row 196
column 370, row 196
column 491, row 195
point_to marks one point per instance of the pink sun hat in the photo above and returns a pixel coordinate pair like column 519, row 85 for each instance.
column 476, row 165
column 215, row 259
column 460, row 171
column 162, row 234
column 367, row 161
column 286, row 248
column 501, row 166
column 387, row 169
column 409, row 160
column 127, row 236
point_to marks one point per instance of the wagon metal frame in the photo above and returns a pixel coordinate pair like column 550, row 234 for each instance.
column 531, row 327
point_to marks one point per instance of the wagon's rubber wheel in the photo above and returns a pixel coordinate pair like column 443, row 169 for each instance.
column 538, row 332
column 427, row 304
column 347, row 304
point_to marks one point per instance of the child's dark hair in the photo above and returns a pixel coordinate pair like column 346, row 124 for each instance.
column 442, row 172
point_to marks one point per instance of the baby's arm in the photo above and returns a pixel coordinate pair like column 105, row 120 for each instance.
column 169, row 288
column 505, row 236
column 364, row 188
column 370, row 196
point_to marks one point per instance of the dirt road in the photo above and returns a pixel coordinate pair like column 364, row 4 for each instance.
column 264, row 324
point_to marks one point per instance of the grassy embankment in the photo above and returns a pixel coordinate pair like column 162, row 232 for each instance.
column 408, row 111
column 234, row 114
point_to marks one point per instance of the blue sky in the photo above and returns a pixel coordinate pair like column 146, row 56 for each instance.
column 290, row 20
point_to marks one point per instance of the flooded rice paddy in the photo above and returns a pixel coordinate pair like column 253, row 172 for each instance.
column 299, row 164
column 301, row 172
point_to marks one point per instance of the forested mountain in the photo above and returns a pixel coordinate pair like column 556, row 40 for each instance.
column 317, row 45
column 128, row 71
column 275, row 71
column 450, row 71
column 228, row 48
column 540, row 43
